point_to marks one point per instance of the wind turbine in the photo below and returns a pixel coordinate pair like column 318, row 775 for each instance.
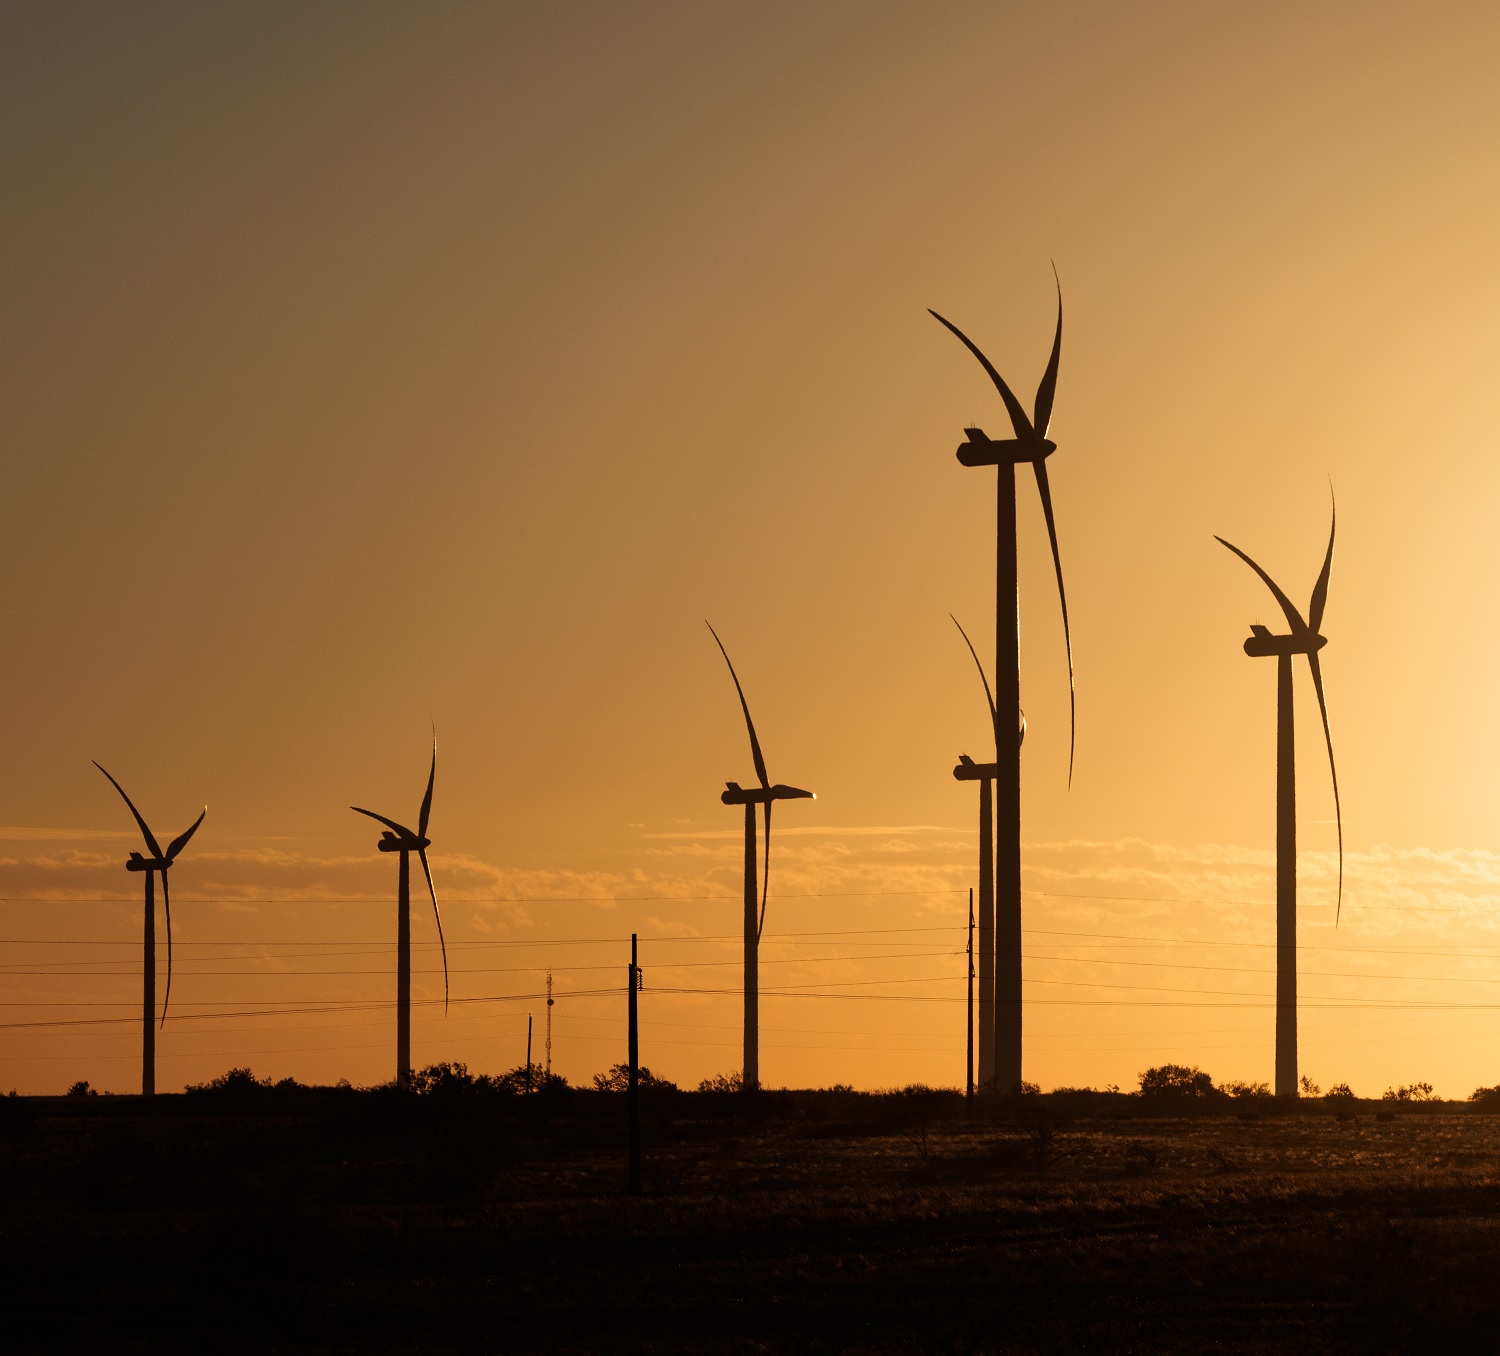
column 1305, row 638
column 1030, row 446
column 763, row 795
column 985, row 774
column 149, row 866
column 398, row 838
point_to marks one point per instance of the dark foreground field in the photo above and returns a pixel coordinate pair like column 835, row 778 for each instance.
column 368, row 1221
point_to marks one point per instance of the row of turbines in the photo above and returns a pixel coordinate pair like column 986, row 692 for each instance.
column 1000, row 1008
column 999, row 949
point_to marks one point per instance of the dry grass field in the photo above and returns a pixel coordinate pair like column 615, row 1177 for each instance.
column 336, row 1220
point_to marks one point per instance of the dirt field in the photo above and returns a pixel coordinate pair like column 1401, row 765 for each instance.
column 364, row 1221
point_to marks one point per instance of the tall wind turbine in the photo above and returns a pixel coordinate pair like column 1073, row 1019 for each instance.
column 149, row 866
column 985, row 774
column 762, row 795
column 1305, row 638
column 398, row 838
column 1030, row 446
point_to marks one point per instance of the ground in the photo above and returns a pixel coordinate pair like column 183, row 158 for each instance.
column 336, row 1220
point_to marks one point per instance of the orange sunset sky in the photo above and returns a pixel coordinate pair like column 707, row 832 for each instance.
column 374, row 367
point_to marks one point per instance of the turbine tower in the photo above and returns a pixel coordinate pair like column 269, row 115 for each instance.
column 398, row 838
column 985, row 773
column 149, row 866
column 762, row 795
column 1030, row 446
column 1304, row 638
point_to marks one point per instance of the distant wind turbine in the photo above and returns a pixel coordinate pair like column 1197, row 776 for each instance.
column 1305, row 638
column 1030, row 446
column 985, row 774
column 398, row 838
column 762, row 795
column 149, row 866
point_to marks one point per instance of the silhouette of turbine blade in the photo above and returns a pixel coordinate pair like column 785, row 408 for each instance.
column 1320, row 589
column 427, row 871
column 427, row 799
column 1043, row 489
column 1018, row 419
column 166, row 904
column 1338, row 813
column 389, row 823
column 1048, row 387
column 765, row 876
column 988, row 696
column 1293, row 617
column 760, row 762
column 145, row 829
column 181, row 841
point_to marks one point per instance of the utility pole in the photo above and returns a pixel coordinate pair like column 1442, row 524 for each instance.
column 528, row 1052
column 549, row 1023
column 634, row 1093
column 969, row 1083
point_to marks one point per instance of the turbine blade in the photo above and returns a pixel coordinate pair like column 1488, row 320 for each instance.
column 181, row 841
column 1046, row 493
column 988, row 696
column 1338, row 813
column 389, row 823
column 145, row 831
column 427, row 799
column 1048, row 387
column 760, row 762
column 427, row 871
column 765, row 876
column 1018, row 419
column 1320, row 589
column 166, row 904
column 1293, row 617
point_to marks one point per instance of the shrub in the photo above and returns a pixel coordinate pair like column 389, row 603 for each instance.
column 1485, row 1099
column 1176, row 1080
column 237, row 1083
column 1409, row 1092
column 1339, row 1092
column 1309, row 1088
column 234, row 1081
column 444, row 1080
column 524, row 1078
column 81, row 1089
column 730, row 1082
column 617, row 1079
column 1238, row 1089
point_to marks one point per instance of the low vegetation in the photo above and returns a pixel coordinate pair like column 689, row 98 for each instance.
column 491, row 1212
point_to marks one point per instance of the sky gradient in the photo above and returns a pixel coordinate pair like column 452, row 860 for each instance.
column 374, row 368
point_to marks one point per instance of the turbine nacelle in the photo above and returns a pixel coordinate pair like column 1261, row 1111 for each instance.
column 136, row 862
column 735, row 794
column 409, row 842
column 982, row 450
column 970, row 771
column 1262, row 643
